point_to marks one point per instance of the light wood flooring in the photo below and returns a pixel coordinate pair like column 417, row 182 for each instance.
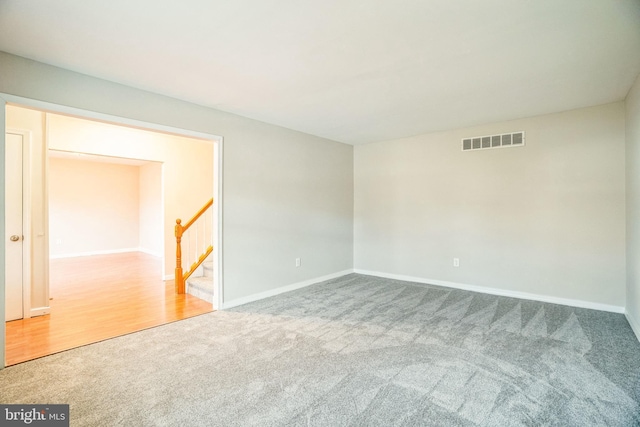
column 98, row 297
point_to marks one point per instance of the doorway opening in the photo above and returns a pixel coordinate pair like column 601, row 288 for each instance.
column 103, row 210
column 102, row 205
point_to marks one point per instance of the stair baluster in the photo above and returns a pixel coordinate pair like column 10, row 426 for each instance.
column 199, row 254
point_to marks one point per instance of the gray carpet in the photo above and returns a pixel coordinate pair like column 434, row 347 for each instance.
column 354, row 351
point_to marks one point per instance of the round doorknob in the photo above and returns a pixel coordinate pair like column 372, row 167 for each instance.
column 14, row 238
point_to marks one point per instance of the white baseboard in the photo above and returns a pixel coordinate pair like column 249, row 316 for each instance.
column 283, row 289
column 635, row 325
column 40, row 311
column 496, row 291
column 112, row 251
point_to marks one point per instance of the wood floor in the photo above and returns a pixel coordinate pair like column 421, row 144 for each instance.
column 98, row 297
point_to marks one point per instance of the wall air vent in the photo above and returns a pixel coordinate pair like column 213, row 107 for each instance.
column 504, row 140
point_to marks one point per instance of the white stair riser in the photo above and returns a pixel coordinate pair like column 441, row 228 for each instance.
column 207, row 268
column 200, row 287
column 198, row 293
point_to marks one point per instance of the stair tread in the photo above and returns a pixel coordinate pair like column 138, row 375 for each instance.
column 201, row 286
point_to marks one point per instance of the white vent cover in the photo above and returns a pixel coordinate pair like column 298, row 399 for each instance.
column 504, row 140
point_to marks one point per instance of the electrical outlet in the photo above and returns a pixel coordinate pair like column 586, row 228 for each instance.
column 297, row 262
column 456, row 262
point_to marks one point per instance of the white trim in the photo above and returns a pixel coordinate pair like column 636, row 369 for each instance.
column 92, row 115
column 3, row 142
column 497, row 291
column 40, row 311
column 45, row 200
column 27, row 224
column 168, row 277
column 635, row 326
column 163, row 264
column 107, row 252
column 283, row 289
column 218, row 176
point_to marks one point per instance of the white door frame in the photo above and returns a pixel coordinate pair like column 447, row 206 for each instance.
column 217, row 140
column 3, row 145
column 26, row 219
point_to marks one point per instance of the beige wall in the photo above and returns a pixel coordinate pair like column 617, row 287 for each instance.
column 633, row 205
column 94, row 207
column 34, row 122
column 546, row 219
column 188, row 166
column 151, row 209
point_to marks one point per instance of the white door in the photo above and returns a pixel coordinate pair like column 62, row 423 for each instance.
column 13, row 227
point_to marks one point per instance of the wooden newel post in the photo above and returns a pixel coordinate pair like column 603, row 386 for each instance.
column 179, row 280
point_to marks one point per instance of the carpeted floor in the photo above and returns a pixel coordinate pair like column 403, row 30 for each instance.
column 354, row 351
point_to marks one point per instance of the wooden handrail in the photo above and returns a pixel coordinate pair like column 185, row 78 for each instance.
column 197, row 215
column 181, row 277
column 196, row 264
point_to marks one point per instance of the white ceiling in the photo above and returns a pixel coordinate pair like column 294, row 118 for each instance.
column 350, row 70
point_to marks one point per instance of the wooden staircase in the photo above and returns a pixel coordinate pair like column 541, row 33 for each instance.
column 197, row 236
column 202, row 286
